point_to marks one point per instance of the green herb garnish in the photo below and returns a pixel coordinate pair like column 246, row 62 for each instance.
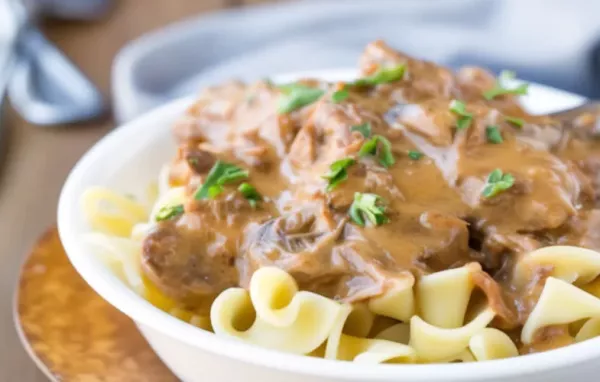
column 340, row 95
column 515, row 121
column 296, row 96
column 464, row 118
column 382, row 76
column 493, row 134
column 220, row 174
column 364, row 129
column 415, row 155
column 169, row 212
column 337, row 172
column 381, row 147
column 250, row 193
column 497, row 182
column 366, row 206
column 501, row 89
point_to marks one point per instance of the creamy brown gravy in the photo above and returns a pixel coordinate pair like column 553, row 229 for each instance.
column 438, row 219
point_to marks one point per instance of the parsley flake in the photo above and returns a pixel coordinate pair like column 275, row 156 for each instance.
column 464, row 118
column 340, row 95
column 415, row 155
column 337, row 172
column 382, row 76
column 295, row 96
column 249, row 192
column 381, row 147
column 364, row 129
column 501, row 89
column 497, row 182
column 169, row 212
column 493, row 134
column 367, row 206
column 220, row 174
column 519, row 122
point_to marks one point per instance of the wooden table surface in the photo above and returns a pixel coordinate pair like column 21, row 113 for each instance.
column 38, row 159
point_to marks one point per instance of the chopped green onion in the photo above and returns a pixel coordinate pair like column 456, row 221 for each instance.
column 519, row 122
column 497, row 182
column 340, row 95
column 169, row 212
column 296, row 96
column 337, row 172
column 250, row 193
column 501, row 89
column 464, row 118
column 382, row 76
column 493, row 134
column 415, row 155
column 366, row 206
column 385, row 156
column 364, row 129
column 221, row 173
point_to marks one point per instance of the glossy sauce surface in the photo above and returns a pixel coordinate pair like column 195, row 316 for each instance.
column 437, row 217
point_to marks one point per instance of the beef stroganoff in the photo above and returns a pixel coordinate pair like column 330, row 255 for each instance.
column 414, row 215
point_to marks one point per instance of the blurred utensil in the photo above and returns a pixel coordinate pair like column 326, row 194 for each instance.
column 7, row 39
column 44, row 86
column 5, row 67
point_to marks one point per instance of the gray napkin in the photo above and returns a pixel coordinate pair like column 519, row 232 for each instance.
column 555, row 42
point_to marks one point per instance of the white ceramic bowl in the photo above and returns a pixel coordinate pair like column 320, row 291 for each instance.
column 129, row 158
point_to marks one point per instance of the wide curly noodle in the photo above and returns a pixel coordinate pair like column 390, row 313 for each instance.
column 429, row 312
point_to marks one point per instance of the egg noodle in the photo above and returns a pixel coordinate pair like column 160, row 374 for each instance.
column 426, row 320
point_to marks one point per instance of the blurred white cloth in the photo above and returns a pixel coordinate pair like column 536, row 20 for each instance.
column 549, row 41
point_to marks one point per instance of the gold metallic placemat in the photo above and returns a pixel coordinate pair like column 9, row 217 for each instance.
column 70, row 331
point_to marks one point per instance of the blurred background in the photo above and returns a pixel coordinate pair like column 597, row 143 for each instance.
column 70, row 70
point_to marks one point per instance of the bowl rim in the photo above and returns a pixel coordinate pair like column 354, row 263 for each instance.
column 142, row 312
